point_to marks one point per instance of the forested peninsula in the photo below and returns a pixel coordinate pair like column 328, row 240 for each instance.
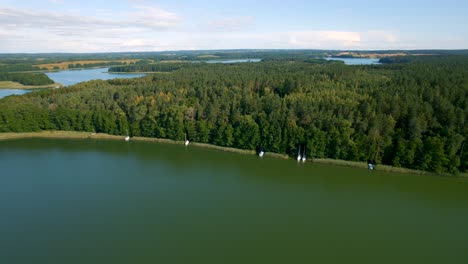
column 26, row 78
column 410, row 114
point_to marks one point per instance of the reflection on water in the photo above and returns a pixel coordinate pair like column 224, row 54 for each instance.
column 233, row 61
column 70, row 77
column 356, row 61
column 171, row 204
column 7, row 92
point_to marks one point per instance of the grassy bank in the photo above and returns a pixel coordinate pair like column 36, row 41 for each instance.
column 137, row 72
column 64, row 64
column 380, row 167
column 89, row 135
column 84, row 135
column 15, row 85
column 58, row 134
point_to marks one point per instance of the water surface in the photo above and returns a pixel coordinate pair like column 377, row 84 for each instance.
column 7, row 92
column 86, row 201
column 356, row 61
column 70, row 77
column 233, row 61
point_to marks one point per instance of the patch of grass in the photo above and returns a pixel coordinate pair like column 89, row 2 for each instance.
column 91, row 135
column 82, row 135
column 15, row 85
column 210, row 56
column 55, row 134
column 64, row 65
column 379, row 167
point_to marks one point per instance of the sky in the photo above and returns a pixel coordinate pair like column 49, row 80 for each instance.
column 148, row 25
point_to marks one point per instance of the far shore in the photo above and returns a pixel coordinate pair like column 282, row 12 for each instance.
column 90, row 135
column 67, row 69
column 137, row 72
column 19, row 86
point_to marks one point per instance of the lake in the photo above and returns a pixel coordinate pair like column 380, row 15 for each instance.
column 71, row 77
column 233, row 61
column 356, row 61
column 88, row 201
column 7, row 92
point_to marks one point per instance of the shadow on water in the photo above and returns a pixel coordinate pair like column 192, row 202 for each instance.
column 250, row 168
column 138, row 202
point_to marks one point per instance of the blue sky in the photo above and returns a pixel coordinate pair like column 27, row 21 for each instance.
column 147, row 25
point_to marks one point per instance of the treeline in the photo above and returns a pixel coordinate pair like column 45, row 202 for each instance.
column 410, row 115
column 425, row 59
column 200, row 55
column 26, row 78
column 148, row 67
column 18, row 68
column 96, row 64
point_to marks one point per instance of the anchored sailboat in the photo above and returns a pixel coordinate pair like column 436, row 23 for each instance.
column 186, row 142
column 299, row 157
column 261, row 153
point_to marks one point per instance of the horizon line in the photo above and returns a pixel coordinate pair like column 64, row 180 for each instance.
column 246, row 49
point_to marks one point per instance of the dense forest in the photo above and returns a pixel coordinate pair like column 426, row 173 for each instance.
column 409, row 115
column 18, row 68
column 92, row 65
column 148, row 67
column 26, row 78
column 32, row 60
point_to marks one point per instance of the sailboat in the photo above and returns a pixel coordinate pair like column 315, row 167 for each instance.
column 127, row 138
column 261, row 153
column 299, row 157
column 186, row 142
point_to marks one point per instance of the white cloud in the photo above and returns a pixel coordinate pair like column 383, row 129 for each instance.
column 42, row 31
column 149, row 28
column 342, row 39
column 153, row 17
column 321, row 39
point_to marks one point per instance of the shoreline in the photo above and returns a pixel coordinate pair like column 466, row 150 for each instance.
column 91, row 135
column 67, row 69
column 134, row 72
column 8, row 85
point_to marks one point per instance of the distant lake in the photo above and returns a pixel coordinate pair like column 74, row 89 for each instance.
column 356, row 61
column 88, row 201
column 233, row 61
column 71, row 77
column 7, row 92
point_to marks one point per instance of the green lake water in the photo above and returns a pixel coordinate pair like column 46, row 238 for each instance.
column 87, row 201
